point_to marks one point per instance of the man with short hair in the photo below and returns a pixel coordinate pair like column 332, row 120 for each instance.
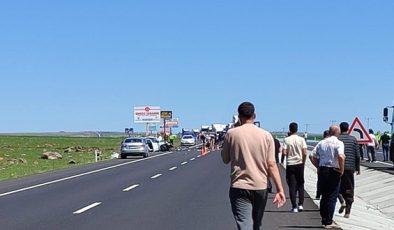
column 385, row 141
column 326, row 134
column 295, row 148
column 251, row 152
column 352, row 164
column 329, row 157
column 372, row 146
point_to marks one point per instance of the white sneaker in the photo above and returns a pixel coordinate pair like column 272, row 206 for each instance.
column 294, row 210
column 332, row 226
column 300, row 208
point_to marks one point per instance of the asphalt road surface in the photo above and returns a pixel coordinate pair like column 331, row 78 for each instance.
column 177, row 190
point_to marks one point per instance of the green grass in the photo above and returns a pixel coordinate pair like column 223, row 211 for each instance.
column 21, row 156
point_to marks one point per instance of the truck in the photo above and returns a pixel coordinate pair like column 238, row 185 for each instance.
column 218, row 128
column 205, row 128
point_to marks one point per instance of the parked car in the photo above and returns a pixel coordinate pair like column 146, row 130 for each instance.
column 188, row 140
column 135, row 146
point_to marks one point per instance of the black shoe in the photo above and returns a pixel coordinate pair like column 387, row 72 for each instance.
column 342, row 208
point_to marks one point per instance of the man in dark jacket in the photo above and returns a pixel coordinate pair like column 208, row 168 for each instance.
column 352, row 164
column 385, row 141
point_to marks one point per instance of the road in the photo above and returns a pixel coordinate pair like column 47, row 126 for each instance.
column 177, row 190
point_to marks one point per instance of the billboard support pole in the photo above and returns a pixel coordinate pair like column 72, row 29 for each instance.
column 164, row 127
column 147, row 128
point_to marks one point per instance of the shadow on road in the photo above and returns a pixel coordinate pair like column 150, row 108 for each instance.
column 301, row 227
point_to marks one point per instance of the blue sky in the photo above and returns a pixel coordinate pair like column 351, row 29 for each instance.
column 82, row 65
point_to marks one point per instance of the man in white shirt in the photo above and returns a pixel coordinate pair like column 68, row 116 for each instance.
column 371, row 147
column 295, row 148
column 329, row 157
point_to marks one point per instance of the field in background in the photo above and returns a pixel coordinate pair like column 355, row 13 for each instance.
column 21, row 155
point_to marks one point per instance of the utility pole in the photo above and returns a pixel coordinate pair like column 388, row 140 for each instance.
column 368, row 119
column 306, row 127
column 333, row 121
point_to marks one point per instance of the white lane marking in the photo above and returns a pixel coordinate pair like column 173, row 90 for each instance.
column 156, row 176
column 183, row 163
column 80, row 175
column 82, row 210
column 173, row 168
column 199, row 156
column 192, row 159
column 131, row 187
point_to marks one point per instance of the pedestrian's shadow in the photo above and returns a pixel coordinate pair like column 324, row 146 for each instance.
column 380, row 168
column 302, row 227
column 286, row 211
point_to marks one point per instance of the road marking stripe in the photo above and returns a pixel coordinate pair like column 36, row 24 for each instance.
column 199, row 156
column 192, row 159
column 183, row 163
column 80, row 175
column 156, row 176
column 173, row 168
column 131, row 187
column 82, row 210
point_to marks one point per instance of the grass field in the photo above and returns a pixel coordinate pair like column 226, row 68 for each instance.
column 21, row 156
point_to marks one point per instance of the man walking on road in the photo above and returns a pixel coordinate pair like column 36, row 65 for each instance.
column 277, row 149
column 329, row 157
column 251, row 151
column 295, row 148
column 372, row 146
column 385, row 141
column 352, row 164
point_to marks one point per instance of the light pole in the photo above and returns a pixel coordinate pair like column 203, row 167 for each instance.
column 333, row 121
column 368, row 119
column 306, row 127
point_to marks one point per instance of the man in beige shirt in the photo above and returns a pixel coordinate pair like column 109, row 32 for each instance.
column 295, row 148
column 251, row 151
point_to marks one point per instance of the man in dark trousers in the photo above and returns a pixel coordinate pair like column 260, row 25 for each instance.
column 277, row 149
column 352, row 164
column 385, row 141
column 329, row 157
column 295, row 148
column 251, row 152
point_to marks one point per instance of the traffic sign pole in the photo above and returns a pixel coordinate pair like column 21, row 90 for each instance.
column 392, row 123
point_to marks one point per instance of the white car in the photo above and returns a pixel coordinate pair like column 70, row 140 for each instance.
column 156, row 143
column 188, row 140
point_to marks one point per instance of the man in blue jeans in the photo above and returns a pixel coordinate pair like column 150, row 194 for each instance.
column 329, row 157
column 251, row 151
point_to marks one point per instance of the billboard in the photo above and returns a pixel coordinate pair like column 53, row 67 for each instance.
column 147, row 114
column 173, row 122
column 166, row 114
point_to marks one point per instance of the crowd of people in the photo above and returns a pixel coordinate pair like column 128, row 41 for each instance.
column 254, row 155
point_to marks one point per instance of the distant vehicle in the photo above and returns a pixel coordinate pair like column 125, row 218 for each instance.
column 205, row 128
column 135, row 147
column 218, row 128
column 195, row 130
column 188, row 140
column 156, row 143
